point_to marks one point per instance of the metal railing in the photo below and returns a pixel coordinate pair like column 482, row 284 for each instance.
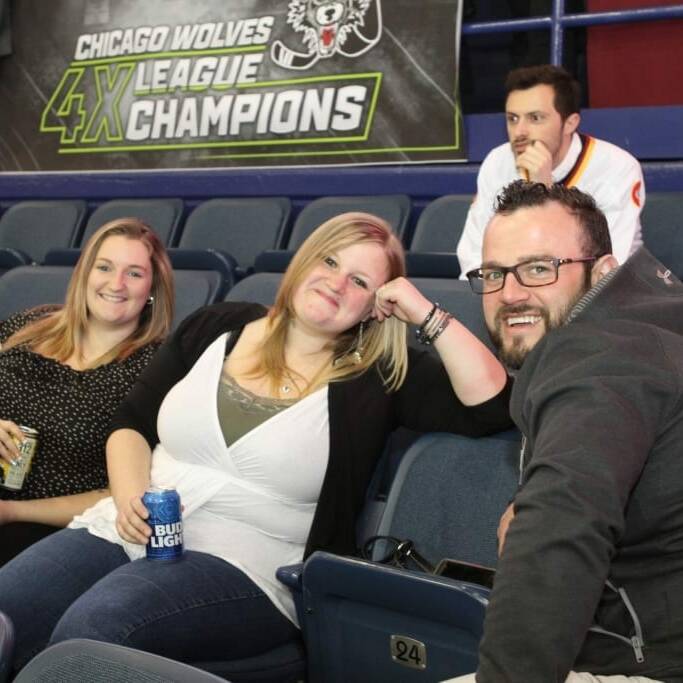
column 558, row 21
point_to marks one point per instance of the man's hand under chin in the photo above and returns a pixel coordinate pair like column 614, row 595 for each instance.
column 535, row 163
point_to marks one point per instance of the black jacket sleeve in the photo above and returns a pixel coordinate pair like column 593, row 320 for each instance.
column 426, row 402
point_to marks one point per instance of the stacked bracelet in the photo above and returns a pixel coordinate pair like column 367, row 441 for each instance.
column 433, row 325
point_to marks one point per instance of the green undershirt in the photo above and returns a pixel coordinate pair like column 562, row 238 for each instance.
column 240, row 411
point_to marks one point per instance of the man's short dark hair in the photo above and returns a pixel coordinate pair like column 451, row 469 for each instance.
column 521, row 194
column 567, row 92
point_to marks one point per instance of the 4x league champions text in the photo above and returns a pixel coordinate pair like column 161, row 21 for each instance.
column 152, row 84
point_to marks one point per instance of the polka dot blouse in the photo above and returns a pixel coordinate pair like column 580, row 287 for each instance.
column 70, row 409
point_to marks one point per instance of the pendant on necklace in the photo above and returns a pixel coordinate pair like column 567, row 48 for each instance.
column 285, row 388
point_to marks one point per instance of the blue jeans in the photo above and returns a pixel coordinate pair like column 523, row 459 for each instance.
column 75, row 585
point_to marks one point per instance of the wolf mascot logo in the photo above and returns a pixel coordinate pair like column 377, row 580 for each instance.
column 347, row 27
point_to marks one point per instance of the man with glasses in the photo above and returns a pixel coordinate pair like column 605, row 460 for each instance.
column 590, row 575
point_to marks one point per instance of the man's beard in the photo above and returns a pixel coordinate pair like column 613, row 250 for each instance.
column 513, row 355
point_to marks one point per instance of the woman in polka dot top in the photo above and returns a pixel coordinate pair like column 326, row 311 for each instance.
column 64, row 370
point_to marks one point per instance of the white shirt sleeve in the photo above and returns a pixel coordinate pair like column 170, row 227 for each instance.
column 615, row 180
column 480, row 213
column 623, row 210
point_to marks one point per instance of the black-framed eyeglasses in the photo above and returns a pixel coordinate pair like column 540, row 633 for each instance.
column 532, row 273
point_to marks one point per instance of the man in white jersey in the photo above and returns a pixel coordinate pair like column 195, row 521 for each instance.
column 542, row 114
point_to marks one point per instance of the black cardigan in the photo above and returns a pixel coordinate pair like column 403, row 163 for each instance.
column 361, row 415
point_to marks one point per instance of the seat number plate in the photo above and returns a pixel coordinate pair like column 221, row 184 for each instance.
column 408, row 652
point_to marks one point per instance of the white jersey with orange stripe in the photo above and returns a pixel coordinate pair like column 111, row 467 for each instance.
column 610, row 174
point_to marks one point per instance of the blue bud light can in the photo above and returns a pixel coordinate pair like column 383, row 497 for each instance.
column 166, row 541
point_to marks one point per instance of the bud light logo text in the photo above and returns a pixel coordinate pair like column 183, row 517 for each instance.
column 167, row 535
column 166, row 541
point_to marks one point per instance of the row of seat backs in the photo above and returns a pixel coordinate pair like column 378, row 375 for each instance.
column 242, row 227
column 432, row 244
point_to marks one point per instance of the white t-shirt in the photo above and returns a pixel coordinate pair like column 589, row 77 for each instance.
column 611, row 175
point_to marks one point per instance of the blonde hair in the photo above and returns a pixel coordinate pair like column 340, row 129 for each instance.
column 384, row 342
column 59, row 334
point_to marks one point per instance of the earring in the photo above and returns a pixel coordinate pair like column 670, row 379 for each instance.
column 150, row 300
column 357, row 355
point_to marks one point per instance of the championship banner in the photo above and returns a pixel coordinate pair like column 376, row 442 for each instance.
column 151, row 84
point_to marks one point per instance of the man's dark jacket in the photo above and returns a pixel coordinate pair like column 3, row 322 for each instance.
column 600, row 402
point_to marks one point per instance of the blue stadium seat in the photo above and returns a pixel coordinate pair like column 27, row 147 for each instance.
column 194, row 289
column 447, row 498
column 162, row 215
column 441, row 223
column 662, row 223
column 81, row 659
column 11, row 258
column 62, row 257
column 6, row 647
column 259, row 288
column 33, row 228
column 449, row 493
column 241, row 227
column 432, row 264
column 273, row 261
column 394, row 208
column 436, row 236
column 28, row 286
column 206, row 259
